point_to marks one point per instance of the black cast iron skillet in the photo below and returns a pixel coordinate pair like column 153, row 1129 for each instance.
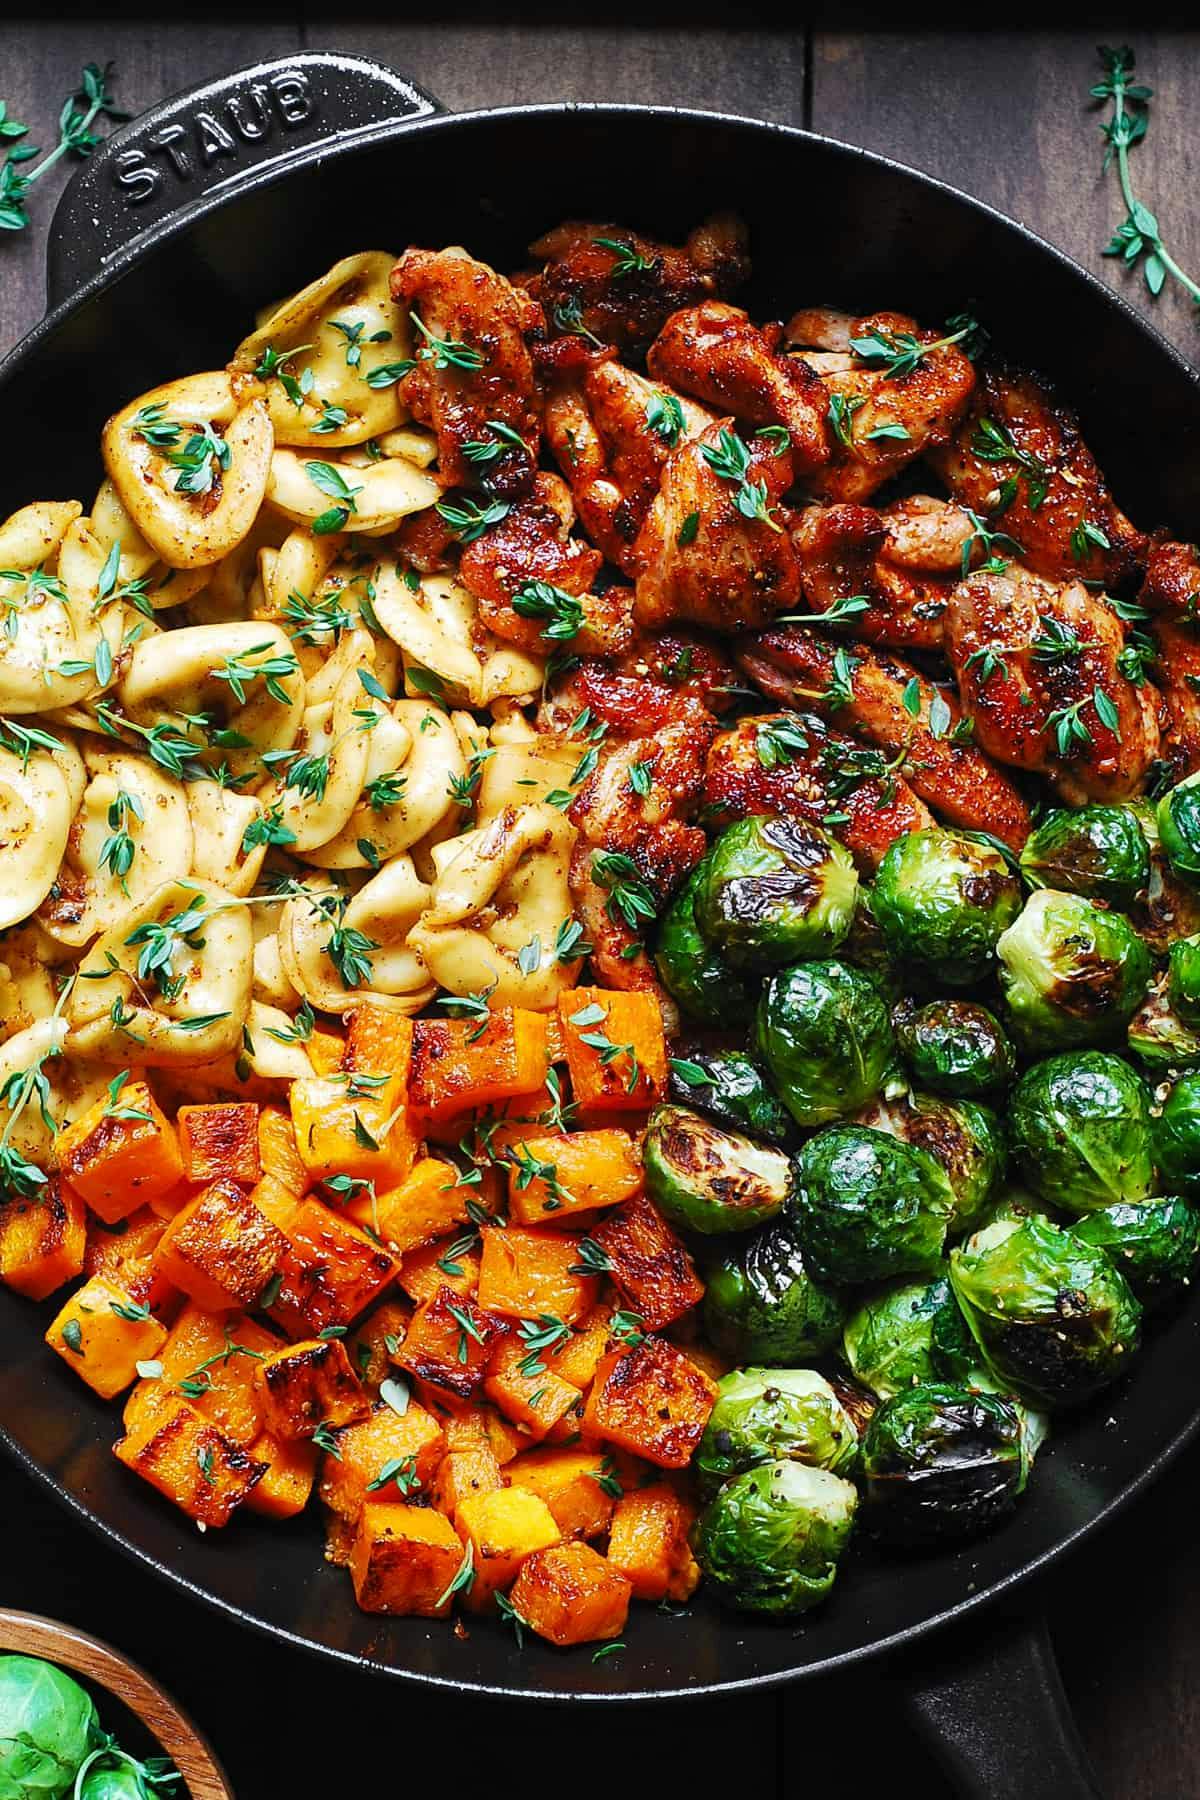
column 162, row 248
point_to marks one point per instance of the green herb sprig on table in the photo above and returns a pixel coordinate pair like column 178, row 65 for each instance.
column 76, row 137
column 1138, row 240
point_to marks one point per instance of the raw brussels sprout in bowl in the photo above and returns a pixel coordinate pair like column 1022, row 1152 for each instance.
column 823, row 1032
column 54, row 1747
column 769, row 1541
column 941, row 903
column 1097, row 851
column 1080, row 1130
column 705, row 1179
column 1072, row 973
column 1154, row 1244
column 869, row 1206
column 941, row 1462
column 762, row 1303
column 955, row 1047
column 775, row 1415
column 691, row 969
column 773, row 890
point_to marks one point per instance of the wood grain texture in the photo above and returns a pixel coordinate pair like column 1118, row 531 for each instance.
column 28, row 1634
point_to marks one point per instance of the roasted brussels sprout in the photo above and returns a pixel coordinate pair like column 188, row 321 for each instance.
column 963, row 1137
column 1098, row 851
column 1178, row 819
column 770, row 1540
column 865, row 949
column 1080, row 1130
column 706, row 1179
column 955, row 1047
column 869, row 1206
column 888, row 1340
column 692, row 971
column 1175, row 1138
column 773, row 890
column 1159, row 1037
column 1183, row 979
column 822, row 1030
column 1155, row 1245
column 1053, row 1317
column 1170, row 907
column 1071, row 973
column 729, row 1086
column 774, row 1415
column 941, row 903
column 941, row 1462
column 762, row 1304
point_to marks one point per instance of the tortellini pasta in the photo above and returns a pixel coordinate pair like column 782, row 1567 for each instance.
column 433, row 622
column 331, row 496
column 325, row 936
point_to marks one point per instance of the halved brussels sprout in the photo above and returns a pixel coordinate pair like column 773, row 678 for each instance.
column 964, row 1138
column 955, row 1047
column 1071, row 973
column 1183, row 979
column 774, row 1415
column 1178, row 819
column 729, row 1086
column 889, row 1340
column 705, row 1179
column 1098, row 851
column 770, row 1540
column 762, row 1304
column 1170, row 907
column 774, row 890
column 1080, row 1129
column 941, row 1462
column 822, row 1029
column 1159, row 1037
column 1175, row 1138
column 942, row 901
column 869, row 1206
column 691, row 970
column 1053, row 1317
column 1155, row 1245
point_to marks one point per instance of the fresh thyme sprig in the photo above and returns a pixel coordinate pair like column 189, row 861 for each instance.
column 1138, row 240
column 79, row 113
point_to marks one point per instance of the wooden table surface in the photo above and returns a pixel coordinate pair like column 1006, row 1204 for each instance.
column 1002, row 115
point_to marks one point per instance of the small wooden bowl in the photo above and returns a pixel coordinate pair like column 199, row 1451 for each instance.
column 27, row 1634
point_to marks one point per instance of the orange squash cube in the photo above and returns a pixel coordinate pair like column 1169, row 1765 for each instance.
column 429, row 1202
column 500, row 1529
column 42, row 1240
column 220, row 1142
column 524, row 1273
column 650, row 1399
column 291, row 1472
column 326, row 1048
column 578, row 1486
column 103, row 1335
column 471, row 1469
column 456, row 1066
column 344, row 1127
column 121, row 1154
column 554, row 1175
column 220, row 1249
column 451, row 1262
column 124, row 1257
column 209, row 1359
column 182, row 1454
column 578, row 1358
column 377, row 1342
column 449, row 1342
column 404, row 1559
column 616, row 1049
column 520, row 1384
column 330, row 1272
column 277, row 1150
column 505, row 1440
column 649, row 1543
column 411, row 1443
column 304, row 1386
column 571, row 1595
column 276, row 1201
column 649, row 1263
column 379, row 1042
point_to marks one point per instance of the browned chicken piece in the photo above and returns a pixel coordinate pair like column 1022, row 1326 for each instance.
column 423, row 541
column 620, row 287
column 760, row 767
column 474, row 371
column 619, row 955
column 904, row 561
column 715, row 352
column 879, row 422
column 666, row 676
column 1177, row 673
column 612, row 433
column 865, row 690
column 1172, row 583
column 1038, row 667
column 531, row 548
column 714, row 550
column 1018, row 458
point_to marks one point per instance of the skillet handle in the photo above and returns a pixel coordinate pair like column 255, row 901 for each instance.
column 992, row 1710
column 223, row 135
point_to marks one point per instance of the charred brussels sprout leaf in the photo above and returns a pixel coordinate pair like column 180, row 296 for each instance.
column 1178, row 820
column 955, row 1047
column 1054, row 1319
column 1159, row 1037
column 762, row 1304
column 770, row 1540
column 1175, row 1138
column 1170, row 907
column 729, row 1086
column 48, row 1728
column 1154, row 1245
column 822, row 1030
column 964, row 1138
column 774, row 890
column 941, row 903
column 1071, row 973
column 889, row 1340
column 869, row 1206
column 709, row 1180
column 1080, row 1130
column 941, row 1462
column 775, row 1415
column 1097, row 851
column 694, row 973
column 1183, row 979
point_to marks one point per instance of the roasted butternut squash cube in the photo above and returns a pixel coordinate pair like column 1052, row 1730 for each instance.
column 649, row 1543
column 524, row 1273
column 520, row 1384
column 344, row 1127
column 209, row 1359
column 278, row 1152
column 570, row 1595
column 220, row 1142
column 473, row 1469
column 121, row 1153
column 103, row 1334
column 326, row 1048
column 652, row 1400
column 411, row 1443
column 552, row 1176
column 182, row 1454
column 220, row 1249
column 330, row 1272
column 578, row 1358
column 500, row 1529
column 125, row 1257
column 579, row 1487
column 449, row 1342
column 649, row 1263
column 457, row 1067
column 42, row 1240
column 379, row 1042
column 429, row 1201
column 616, row 1048
column 303, row 1386
column 377, row 1342
column 291, row 1472
column 505, row 1439
column 404, row 1559
column 451, row 1262
column 276, row 1201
